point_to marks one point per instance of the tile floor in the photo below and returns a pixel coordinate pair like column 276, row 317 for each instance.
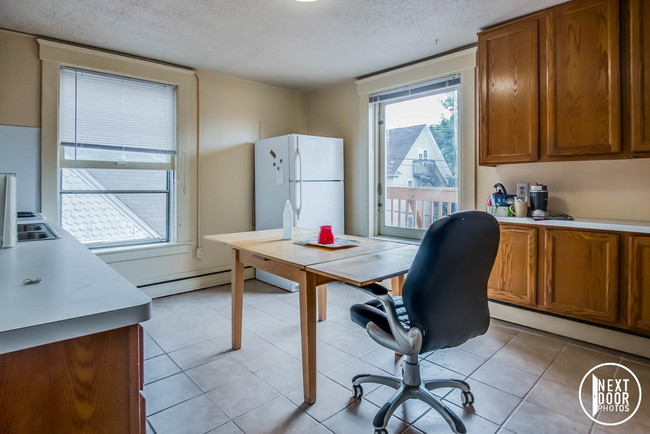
column 524, row 381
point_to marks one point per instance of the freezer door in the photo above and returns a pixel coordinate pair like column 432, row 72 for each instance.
column 322, row 204
column 317, row 158
column 271, row 181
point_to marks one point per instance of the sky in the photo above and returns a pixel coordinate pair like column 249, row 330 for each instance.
column 425, row 110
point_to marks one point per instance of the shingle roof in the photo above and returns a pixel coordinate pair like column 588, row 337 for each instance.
column 94, row 218
column 400, row 141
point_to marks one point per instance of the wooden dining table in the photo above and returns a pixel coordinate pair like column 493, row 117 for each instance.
column 367, row 261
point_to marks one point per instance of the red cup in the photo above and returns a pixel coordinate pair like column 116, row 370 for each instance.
column 325, row 236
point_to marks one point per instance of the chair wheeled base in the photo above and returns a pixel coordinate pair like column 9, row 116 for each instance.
column 411, row 386
column 443, row 304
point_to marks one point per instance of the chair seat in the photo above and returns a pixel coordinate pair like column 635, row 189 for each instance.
column 373, row 311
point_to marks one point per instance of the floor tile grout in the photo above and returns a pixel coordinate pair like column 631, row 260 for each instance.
column 523, row 399
column 187, row 304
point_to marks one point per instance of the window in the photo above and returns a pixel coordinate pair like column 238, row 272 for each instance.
column 411, row 82
column 418, row 155
column 117, row 150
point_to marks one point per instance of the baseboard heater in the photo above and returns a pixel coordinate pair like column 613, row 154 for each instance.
column 190, row 283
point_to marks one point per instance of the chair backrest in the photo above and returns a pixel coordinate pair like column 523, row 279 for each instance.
column 445, row 292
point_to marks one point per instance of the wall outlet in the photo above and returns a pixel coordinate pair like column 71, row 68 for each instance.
column 199, row 252
column 522, row 191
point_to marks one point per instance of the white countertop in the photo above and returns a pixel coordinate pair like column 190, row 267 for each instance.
column 579, row 223
column 78, row 295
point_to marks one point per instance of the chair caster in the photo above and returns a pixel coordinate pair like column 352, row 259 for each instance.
column 381, row 431
column 466, row 398
column 358, row 391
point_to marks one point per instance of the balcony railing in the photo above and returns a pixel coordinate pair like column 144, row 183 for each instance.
column 418, row 207
column 423, row 168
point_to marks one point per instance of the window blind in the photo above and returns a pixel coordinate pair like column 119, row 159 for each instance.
column 415, row 89
column 110, row 118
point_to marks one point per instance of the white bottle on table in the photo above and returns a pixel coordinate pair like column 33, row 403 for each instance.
column 287, row 222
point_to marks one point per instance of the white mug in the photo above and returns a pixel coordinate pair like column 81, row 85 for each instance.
column 520, row 208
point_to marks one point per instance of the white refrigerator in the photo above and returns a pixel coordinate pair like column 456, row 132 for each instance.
column 307, row 170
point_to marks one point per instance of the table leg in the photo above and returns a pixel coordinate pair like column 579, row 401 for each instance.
column 322, row 302
column 396, row 284
column 308, row 335
column 237, row 289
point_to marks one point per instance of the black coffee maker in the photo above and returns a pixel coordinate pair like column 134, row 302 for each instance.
column 539, row 200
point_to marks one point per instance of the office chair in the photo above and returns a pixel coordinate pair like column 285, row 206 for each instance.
column 443, row 304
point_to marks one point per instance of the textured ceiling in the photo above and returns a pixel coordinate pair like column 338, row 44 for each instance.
column 280, row 42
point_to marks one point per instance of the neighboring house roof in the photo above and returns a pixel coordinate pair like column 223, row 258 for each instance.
column 99, row 218
column 400, row 141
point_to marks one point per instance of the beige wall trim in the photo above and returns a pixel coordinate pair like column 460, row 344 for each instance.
column 53, row 55
column 50, row 140
column 66, row 54
column 130, row 253
column 427, row 70
column 572, row 329
column 192, row 284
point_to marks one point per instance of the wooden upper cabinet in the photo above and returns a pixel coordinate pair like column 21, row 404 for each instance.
column 580, row 274
column 638, row 290
column 509, row 60
column 637, row 64
column 514, row 275
column 583, row 80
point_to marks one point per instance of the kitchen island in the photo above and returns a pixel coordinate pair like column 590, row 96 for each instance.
column 71, row 344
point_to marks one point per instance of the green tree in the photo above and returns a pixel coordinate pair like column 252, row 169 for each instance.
column 445, row 135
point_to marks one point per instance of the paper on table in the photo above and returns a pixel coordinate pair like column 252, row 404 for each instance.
column 338, row 243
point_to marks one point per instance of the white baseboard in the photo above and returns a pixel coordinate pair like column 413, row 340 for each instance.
column 572, row 329
column 192, row 283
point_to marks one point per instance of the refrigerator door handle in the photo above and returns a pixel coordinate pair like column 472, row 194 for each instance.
column 299, row 208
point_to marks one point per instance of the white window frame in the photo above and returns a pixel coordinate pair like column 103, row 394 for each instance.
column 407, row 231
column 169, row 191
column 55, row 55
column 461, row 62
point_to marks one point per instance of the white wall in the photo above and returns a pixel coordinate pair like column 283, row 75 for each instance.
column 233, row 113
column 334, row 111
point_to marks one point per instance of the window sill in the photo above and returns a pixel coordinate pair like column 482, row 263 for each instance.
column 130, row 253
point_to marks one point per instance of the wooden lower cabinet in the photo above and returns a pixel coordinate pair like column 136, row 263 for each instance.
column 581, row 274
column 514, row 275
column 638, row 284
column 596, row 276
column 89, row 384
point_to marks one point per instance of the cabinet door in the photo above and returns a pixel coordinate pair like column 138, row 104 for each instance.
column 508, row 61
column 583, row 80
column 514, row 275
column 638, row 298
column 87, row 384
column 638, row 63
column 580, row 274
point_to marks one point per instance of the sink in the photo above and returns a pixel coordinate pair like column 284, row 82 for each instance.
column 35, row 232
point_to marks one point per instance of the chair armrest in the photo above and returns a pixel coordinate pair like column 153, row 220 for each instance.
column 373, row 289
column 408, row 341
